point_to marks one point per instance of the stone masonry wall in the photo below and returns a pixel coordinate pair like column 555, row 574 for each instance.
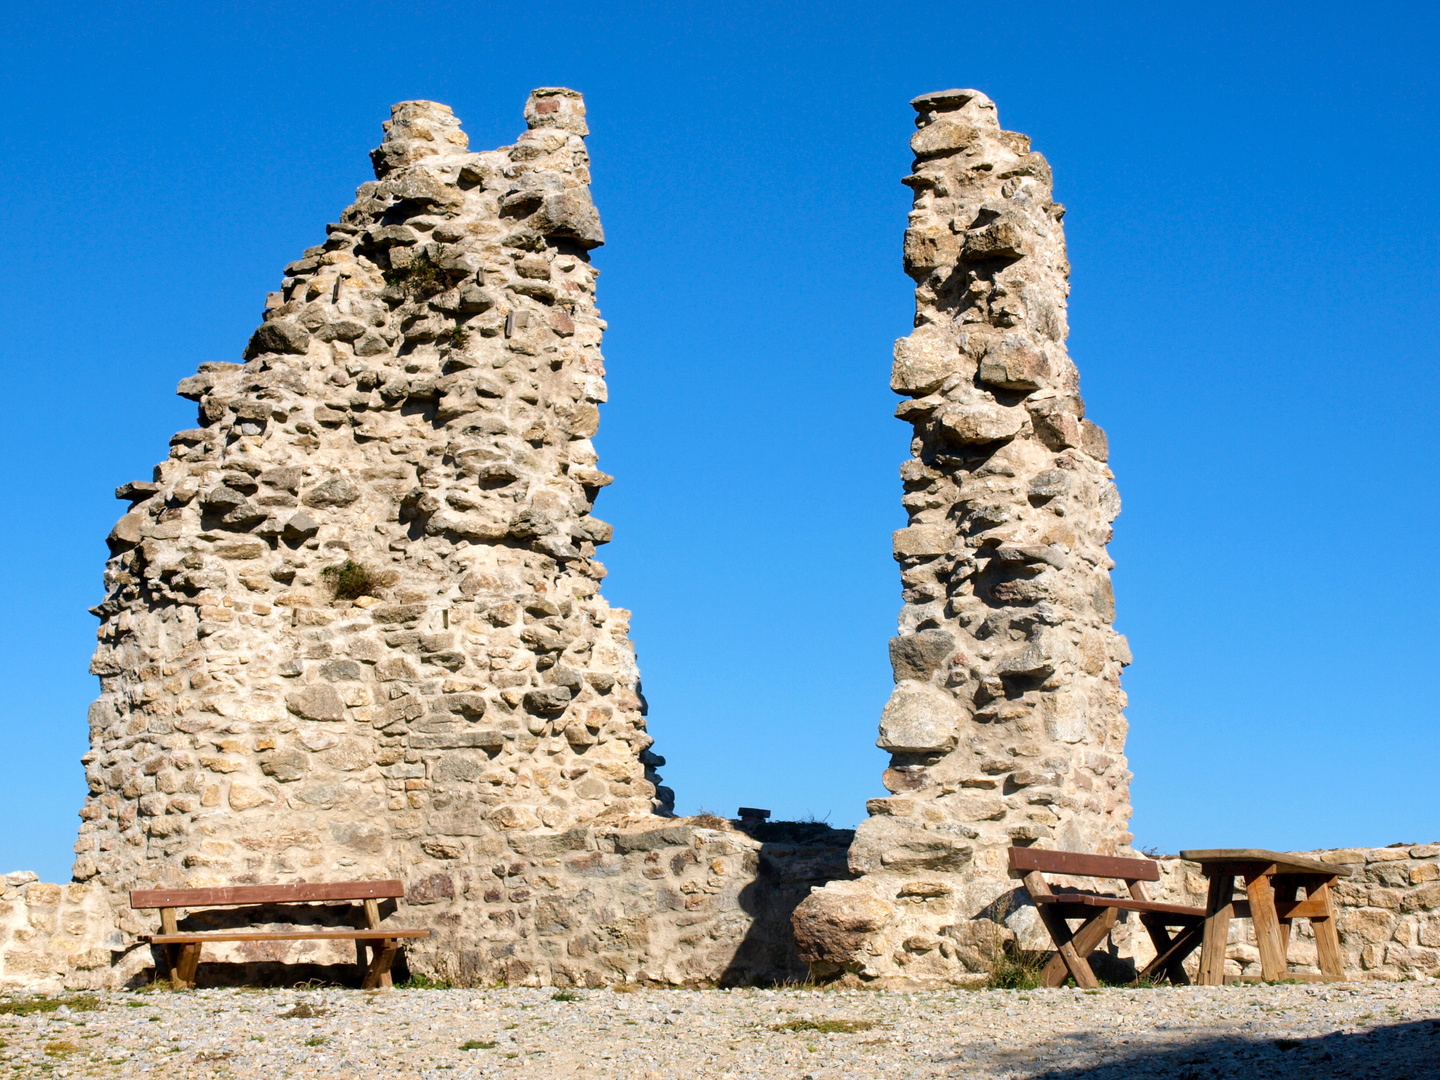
column 54, row 936
column 1006, row 724
column 353, row 626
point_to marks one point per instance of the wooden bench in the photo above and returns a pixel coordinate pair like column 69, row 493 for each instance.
column 181, row 950
column 1099, row 912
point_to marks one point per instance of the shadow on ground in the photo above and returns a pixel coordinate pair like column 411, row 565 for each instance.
column 1408, row 1051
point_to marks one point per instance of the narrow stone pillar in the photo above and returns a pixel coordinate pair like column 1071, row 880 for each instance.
column 1006, row 725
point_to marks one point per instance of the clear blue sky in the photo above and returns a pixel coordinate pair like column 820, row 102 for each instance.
column 1252, row 193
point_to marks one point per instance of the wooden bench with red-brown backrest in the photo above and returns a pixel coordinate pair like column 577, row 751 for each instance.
column 1098, row 912
column 181, row 949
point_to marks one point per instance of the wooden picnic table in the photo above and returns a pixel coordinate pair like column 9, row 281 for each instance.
column 1272, row 881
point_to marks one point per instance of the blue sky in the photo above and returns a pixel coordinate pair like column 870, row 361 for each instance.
column 1252, row 226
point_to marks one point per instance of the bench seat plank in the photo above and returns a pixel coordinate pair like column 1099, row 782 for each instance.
column 1096, row 900
column 299, row 893
column 200, row 938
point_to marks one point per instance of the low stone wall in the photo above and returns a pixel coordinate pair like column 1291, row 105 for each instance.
column 1388, row 915
column 693, row 902
column 54, row 936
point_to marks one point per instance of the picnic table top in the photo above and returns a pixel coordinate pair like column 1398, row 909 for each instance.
column 1284, row 863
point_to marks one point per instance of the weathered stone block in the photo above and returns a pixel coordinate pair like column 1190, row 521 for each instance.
column 920, row 718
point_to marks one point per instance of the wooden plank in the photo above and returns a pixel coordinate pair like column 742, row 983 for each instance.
column 1171, row 958
column 1084, row 941
column 1079, row 864
column 1327, row 935
column 1160, row 938
column 1098, row 900
column 1284, row 909
column 1216, row 929
column 1285, row 864
column 299, row 893
column 287, row 935
column 1261, row 891
column 1060, row 934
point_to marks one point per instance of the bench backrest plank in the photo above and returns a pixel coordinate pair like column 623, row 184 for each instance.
column 267, row 894
column 1078, row 864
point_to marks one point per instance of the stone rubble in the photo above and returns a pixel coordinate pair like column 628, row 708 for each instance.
column 1006, row 723
column 1335, row 1032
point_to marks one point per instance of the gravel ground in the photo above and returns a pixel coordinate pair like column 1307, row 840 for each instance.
column 1389, row 1030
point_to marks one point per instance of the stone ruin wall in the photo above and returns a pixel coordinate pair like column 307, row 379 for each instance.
column 57, row 936
column 419, row 400
column 1006, row 723
column 463, row 710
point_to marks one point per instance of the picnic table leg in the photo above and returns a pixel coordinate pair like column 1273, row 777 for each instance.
column 1261, row 891
column 1218, row 906
column 1286, row 886
column 377, row 975
column 1327, row 936
column 1072, row 949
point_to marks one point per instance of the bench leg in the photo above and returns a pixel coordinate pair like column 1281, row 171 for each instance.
column 1072, row 949
column 182, row 974
column 1170, row 956
column 377, row 975
column 1217, row 929
column 1261, row 891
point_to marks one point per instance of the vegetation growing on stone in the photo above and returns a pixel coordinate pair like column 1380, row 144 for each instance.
column 351, row 580
column 421, row 279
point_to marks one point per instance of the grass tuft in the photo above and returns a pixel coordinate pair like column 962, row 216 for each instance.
column 477, row 1044
column 424, row 982
column 1014, row 969
column 27, row 1006
column 564, row 995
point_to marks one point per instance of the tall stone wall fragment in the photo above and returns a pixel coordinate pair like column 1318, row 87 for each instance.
column 353, row 626
column 1006, row 725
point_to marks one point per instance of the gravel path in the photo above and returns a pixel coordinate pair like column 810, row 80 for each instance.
column 1389, row 1030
